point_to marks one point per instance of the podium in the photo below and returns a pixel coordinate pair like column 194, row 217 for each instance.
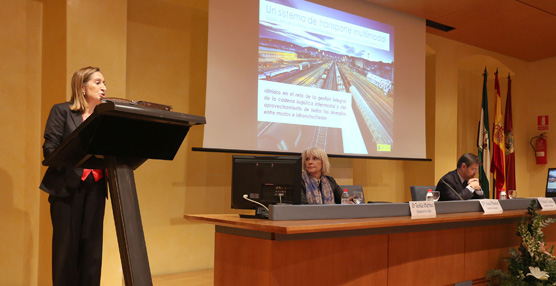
column 120, row 137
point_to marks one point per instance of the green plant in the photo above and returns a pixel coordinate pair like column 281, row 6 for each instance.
column 530, row 263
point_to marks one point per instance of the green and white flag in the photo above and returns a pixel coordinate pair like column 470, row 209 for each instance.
column 483, row 142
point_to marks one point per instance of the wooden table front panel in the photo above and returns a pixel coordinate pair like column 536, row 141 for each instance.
column 360, row 260
column 486, row 247
column 426, row 258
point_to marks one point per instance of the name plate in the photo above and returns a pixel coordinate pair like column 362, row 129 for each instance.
column 422, row 209
column 491, row 206
column 547, row 204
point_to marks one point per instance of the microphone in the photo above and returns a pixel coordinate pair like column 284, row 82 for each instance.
column 245, row 197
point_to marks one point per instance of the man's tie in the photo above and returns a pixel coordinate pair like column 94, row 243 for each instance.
column 465, row 183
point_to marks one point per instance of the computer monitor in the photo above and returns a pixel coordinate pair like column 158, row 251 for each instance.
column 551, row 183
column 266, row 180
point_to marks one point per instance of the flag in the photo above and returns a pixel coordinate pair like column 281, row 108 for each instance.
column 509, row 140
column 497, row 167
column 483, row 142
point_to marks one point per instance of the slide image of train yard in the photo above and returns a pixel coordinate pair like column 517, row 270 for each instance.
column 368, row 83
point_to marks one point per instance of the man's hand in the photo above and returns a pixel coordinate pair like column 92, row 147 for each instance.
column 474, row 183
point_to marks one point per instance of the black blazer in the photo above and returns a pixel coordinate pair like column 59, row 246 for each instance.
column 451, row 181
column 62, row 121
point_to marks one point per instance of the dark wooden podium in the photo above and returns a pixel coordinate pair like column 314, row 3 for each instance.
column 120, row 137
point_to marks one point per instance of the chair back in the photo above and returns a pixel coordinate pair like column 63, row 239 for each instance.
column 419, row 193
column 354, row 188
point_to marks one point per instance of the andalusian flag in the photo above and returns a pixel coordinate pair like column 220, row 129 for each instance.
column 509, row 137
column 483, row 142
column 498, row 167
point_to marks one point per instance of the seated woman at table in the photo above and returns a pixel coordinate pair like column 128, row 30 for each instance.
column 317, row 187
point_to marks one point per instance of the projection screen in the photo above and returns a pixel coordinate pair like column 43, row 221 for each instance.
column 346, row 76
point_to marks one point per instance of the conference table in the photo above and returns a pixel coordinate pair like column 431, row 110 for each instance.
column 451, row 248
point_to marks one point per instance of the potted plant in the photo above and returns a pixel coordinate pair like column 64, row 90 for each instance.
column 531, row 263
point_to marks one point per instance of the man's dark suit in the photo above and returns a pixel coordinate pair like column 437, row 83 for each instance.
column 451, row 184
column 76, row 208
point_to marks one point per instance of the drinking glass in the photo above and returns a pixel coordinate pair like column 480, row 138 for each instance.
column 512, row 194
column 435, row 195
column 357, row 197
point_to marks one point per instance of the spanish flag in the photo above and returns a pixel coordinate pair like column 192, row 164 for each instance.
column 497, row 166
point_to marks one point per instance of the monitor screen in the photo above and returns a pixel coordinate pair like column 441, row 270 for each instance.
column 551, row 183
column 265, row 179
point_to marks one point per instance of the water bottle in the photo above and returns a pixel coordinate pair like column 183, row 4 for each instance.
column 345, row 197
column 503, row 194
column 429, row 196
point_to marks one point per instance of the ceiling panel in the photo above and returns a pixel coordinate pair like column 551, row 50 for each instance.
column 523, row 29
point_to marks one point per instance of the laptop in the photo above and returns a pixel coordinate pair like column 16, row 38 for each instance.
column 551, row 183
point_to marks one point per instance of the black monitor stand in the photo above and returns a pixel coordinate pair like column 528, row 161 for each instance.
column 260, row 212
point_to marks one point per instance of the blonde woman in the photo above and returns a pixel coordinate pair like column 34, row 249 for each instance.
column 317, row 186
column 77, row 196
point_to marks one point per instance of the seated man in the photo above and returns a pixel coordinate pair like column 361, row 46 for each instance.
column 461, row 184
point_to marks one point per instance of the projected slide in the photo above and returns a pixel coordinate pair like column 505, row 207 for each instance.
column 284, row 75
column 325, row 78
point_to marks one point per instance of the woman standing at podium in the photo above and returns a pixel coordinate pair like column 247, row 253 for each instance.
column 77, row 196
